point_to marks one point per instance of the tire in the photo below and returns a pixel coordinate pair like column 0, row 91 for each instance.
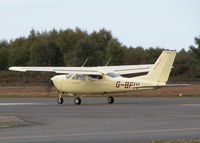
column 60, row 100
column 77, row 101
column 110, row 100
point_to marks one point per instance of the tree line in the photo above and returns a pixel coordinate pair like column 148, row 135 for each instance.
column 72, row 47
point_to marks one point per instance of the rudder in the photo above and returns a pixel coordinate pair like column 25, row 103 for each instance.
column 161, row 69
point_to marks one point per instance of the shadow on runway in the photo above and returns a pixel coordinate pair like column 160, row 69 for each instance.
column 150, row 103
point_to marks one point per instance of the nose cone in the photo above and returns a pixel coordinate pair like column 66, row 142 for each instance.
column 54, row 78
column 57, row 81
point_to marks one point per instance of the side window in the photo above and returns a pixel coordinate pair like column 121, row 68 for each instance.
column 112, row 74
column 94, row 77
column 79, row 77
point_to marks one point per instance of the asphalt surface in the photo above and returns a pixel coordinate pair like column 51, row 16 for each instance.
column 127, row 120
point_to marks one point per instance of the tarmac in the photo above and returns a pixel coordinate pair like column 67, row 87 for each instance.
column 128, row 120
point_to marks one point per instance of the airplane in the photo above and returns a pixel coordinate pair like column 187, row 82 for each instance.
column 79, row 81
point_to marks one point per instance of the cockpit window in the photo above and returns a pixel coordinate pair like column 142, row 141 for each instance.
column 83, row 77
column 68, row 76
column 80, row 77
column 112, row 74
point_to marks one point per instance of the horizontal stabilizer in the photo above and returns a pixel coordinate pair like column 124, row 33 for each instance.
column 167, row 85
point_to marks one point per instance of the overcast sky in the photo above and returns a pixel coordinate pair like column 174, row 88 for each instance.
column 170, row 24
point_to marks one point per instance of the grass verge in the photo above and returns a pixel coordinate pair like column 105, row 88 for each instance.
column 177, row 141
column 13, row 121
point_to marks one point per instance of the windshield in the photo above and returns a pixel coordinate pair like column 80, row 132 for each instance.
column 112, row 74
column 68, row 75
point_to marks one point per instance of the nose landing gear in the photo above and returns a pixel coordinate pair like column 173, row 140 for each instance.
column 60, row 99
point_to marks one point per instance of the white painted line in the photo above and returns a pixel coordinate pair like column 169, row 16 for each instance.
column 12, row 104
column 193, row 105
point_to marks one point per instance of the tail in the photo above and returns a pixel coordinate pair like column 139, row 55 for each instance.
column 161, row 69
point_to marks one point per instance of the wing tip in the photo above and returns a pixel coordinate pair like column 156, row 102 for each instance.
column 16, row 69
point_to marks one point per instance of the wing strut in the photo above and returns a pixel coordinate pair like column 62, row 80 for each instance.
column 108, row 62
column 85, row 62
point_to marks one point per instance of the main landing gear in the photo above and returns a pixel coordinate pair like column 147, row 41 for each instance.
column 110, row 100
column 77, row 101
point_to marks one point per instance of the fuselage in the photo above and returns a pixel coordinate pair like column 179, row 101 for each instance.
column 84, row 84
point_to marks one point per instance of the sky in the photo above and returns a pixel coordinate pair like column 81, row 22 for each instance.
column 170, row 24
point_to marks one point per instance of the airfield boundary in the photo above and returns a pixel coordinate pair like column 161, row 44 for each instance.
column 50, row 91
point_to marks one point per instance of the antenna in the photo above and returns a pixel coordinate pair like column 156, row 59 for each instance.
column 85, row 62
column 108, row 61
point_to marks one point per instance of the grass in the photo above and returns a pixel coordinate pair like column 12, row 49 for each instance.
column 177, row 141
column 13, row 121
column 50, row 91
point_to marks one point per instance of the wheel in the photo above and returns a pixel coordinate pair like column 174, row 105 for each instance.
column 110, row 100
column 77, row 101
column 60, row 100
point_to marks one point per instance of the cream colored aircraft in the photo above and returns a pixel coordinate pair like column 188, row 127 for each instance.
column 78, row 81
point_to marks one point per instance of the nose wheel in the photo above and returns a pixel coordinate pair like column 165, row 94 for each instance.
column 110, row 100
column 77, row 101
column 60, row 100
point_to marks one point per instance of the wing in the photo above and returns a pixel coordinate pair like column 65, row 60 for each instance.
column 77, row 70
column 88, row 70
column 129, row 69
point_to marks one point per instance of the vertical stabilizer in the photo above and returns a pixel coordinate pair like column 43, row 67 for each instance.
column 161, row 69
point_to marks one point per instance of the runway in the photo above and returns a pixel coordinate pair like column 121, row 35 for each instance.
column 127, row 120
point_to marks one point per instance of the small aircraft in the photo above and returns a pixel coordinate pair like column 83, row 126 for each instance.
column 77, row 81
